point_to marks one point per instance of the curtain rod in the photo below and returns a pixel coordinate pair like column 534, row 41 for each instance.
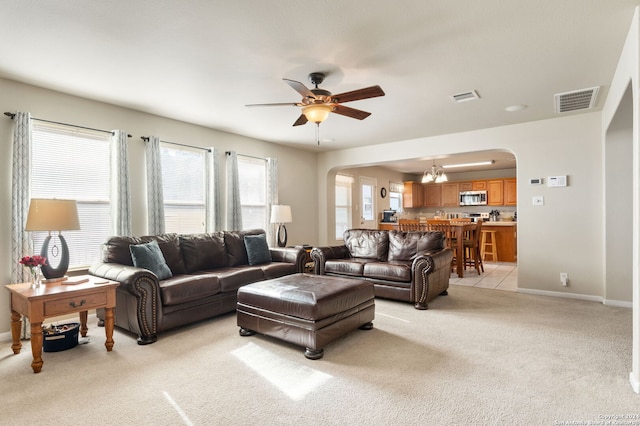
column 249, row 156
column 12, row 115
column 146, row 139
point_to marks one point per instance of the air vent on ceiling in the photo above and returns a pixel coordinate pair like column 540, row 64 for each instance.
column 465, row 96
column 576, row 100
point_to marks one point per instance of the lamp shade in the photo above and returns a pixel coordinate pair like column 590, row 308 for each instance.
column 281, row 214
column 52, row 215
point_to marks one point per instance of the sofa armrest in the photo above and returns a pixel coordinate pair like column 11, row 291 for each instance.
column 430, row 274
column 295, row 255
column 320, row 255
column 143, row 286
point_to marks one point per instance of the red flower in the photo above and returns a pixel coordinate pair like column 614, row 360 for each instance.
column 32, row 261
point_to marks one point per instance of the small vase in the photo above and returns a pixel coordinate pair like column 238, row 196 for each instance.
column 36, row 277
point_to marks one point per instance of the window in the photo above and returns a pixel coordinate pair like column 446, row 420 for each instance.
column 183, row 188
column 343, row 204
column 252, row 175
column 72, row 163
column 395, row 196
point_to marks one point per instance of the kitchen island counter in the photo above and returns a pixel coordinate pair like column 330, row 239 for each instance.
column 506, row 239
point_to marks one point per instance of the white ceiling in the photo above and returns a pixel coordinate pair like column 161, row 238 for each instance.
column 201, row 61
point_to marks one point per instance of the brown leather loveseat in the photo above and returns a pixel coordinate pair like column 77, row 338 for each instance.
column 206, row 271
column 409, row 266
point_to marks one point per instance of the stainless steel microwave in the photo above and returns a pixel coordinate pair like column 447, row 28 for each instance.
column 473, row 198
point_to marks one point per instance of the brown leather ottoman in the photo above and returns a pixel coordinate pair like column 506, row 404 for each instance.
column 306, row 310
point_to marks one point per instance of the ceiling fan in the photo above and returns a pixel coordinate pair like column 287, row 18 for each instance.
column 318, row 103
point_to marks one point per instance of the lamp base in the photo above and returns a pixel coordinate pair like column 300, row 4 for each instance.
column 282, row 236
column 58, row 272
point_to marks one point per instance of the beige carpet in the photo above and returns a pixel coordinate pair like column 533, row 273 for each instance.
column 477, row 356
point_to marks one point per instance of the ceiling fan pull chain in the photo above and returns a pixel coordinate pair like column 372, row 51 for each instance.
column 318, row 133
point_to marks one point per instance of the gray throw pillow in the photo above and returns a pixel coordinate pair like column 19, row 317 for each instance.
column 257, row 249
column 149, row 256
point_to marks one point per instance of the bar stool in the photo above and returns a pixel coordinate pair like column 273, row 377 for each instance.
column 493, row 249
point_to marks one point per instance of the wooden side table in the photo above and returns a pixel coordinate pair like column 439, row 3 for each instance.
column 55, row 299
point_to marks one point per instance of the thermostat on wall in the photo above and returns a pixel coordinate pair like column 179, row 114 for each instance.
column 557, row 181
column 535, row 181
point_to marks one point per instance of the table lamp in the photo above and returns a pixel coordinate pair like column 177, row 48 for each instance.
column 281, row 214
column 53, row 215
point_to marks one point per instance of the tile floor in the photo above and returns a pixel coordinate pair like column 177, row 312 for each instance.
column 497, row 276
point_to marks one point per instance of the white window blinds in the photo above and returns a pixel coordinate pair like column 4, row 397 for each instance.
column 184, row 188
column 252, row 175
column 73, row 163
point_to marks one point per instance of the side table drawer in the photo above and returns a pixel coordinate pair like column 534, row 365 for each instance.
column 71, row 304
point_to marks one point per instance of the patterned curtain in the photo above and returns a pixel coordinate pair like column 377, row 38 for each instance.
column 155, row 199
column 234, row 206
column 214, row 201
column 272, row 198
column 120, row 191
column 21, row 244
column 217, row 192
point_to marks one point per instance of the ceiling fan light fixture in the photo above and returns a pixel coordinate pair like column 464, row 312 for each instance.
column 317, row 113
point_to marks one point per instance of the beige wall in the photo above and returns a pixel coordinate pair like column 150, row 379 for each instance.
column 564, row 235
column 297, row 168
column 621, row 126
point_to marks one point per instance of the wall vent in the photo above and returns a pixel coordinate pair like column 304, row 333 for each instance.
column 465, row 96
column 576, row 100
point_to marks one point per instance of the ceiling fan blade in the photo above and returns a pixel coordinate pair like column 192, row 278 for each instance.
column 351, row 112
column 300, row 88
column 301, row 120
column 356, row 95
column 276, row 104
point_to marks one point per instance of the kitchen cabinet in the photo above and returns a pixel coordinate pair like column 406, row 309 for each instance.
column 413, row 195
column 495, row 192
column 474, row 185
column 500, row 192
column 465, row 186
column 506, row 240
column 510, row 192
column 450, row 195
column 433, row 195
column 479, row 185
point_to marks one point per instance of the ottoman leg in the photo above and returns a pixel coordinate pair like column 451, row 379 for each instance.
column 367, row 326
column 314, row 353
column 246, row 332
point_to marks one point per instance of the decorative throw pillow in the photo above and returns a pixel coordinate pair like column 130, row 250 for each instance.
column 257, row 249
column 149, row 256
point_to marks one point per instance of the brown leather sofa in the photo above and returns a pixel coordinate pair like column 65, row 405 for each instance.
column 409, row 266
column 207, row 271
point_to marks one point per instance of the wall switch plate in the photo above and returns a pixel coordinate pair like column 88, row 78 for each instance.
column 538, row 200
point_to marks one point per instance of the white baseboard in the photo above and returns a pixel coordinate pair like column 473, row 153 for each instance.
column 561, row 294
column 609, row 302
column 635, row 384
column 5, row 337
column 618, row 303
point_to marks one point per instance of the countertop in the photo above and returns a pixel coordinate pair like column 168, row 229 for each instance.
column 499, row 223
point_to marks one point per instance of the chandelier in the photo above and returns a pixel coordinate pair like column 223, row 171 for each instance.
column 434, row 174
